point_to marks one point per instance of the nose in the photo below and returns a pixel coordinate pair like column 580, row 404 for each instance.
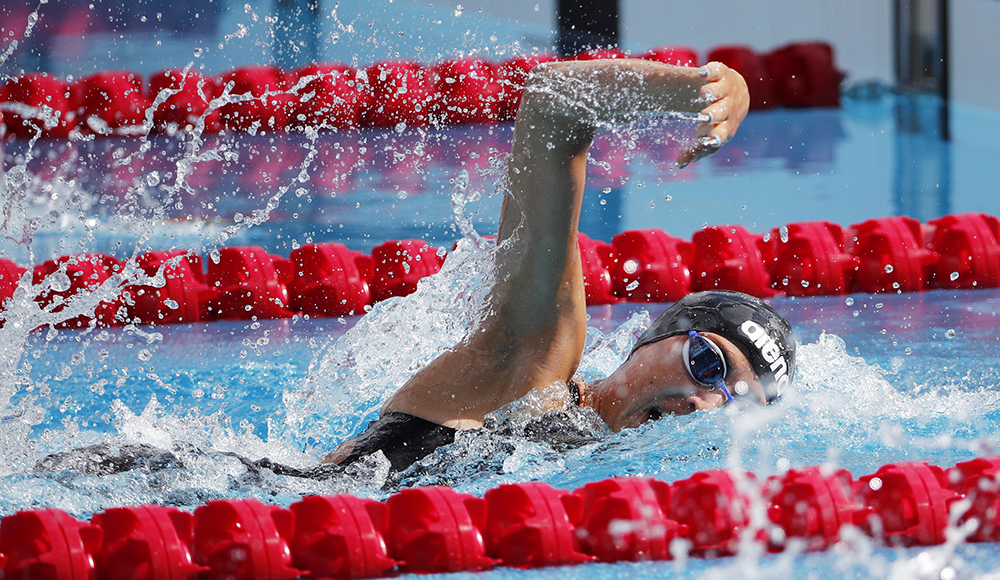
column 698, row 401
column 684, row 405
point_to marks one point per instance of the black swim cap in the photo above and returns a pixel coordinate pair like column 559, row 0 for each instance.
column 763, row 335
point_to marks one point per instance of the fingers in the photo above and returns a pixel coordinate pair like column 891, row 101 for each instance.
column 703, row 147
column 727, row 102
column 712, row 71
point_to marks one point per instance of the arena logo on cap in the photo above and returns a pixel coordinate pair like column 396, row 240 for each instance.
column 769, row 350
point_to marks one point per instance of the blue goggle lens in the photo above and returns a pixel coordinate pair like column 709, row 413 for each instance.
column 705, row 363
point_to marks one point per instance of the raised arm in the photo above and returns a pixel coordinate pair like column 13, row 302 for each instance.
column 536, row 332
column 564, row 105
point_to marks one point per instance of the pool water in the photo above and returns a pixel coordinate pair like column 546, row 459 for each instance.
column 881, row 378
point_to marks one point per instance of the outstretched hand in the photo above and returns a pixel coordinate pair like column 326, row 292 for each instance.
column 728, row 100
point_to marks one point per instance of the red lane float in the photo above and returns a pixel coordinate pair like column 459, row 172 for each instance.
column 808, row 259
column 597, row 258
column 651, row 266
column 244, row 540
column 895, row 254
column 804, row 75
column 330, row 280
column 330, row 96
column 469, row 91
column 905, row 503
column 968, row 251
column 713, row 509
column 49, row 544
column 386, row 94
column 730, row 258
column 71, row 275
column 435, row 529
column 977, row 481
column 109, row 101
column 399, row 265
column 265, row 102
column 811, row 504
column 50, row 102
column 189, row 96
column 146, row 543
column 891, row 255
column 251, row 284
column 626, row 520
column 530, row 525
column 341, row 536
column 400, row 92
column 184, row 296
column 10, row 276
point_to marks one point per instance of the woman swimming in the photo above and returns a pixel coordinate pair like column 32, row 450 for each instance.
column 703, row 352
column 708, row 349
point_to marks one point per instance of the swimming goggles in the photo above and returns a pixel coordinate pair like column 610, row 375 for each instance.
column 706, row 363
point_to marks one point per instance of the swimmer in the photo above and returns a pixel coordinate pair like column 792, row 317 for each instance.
column 707, row 350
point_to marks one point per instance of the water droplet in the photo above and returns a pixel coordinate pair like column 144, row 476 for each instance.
column 950, row 333
column 875, row 483
column 171, row 304
column 153, row 179
column 849, row 301
column 888, row 268
column 907, row 350
column 805, row 283
column 215, row 256
column 402, row 195
column 197, row 52
column 783, row 234
column 301, row 191
column 606, row 190
column 632, row 285
column 59, row 281
column 954, row 276
column 248, row 307
column 458, row 10
column 144, row 355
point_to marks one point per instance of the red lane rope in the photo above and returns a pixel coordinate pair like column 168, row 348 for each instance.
column 435, row 529
column 265, row 98
column 892, row 254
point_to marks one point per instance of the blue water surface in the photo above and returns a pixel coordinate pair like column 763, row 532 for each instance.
column 882, row 378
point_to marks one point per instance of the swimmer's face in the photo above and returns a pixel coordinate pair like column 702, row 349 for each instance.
column 654, row 382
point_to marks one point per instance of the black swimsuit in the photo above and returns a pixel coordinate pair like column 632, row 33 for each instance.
column 403, row 438
column 406, row 439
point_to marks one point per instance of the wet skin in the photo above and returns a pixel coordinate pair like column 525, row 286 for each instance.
column 533, row 337
column 654, row 382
